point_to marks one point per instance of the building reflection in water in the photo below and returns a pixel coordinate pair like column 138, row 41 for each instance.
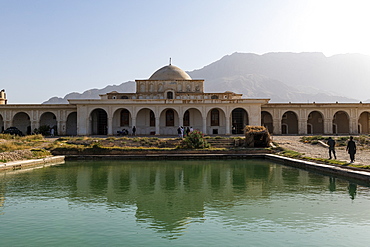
column 168, row 195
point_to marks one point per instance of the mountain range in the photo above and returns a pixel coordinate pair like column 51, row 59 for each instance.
column 282, row 77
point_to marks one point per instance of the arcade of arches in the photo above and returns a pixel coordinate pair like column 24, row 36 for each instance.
column 171, row 98
column 216, row 121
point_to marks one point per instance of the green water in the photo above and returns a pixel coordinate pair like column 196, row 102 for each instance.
column 181, row 203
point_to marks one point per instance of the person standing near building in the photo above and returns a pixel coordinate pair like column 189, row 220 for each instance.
column 182, row 132
column 133, row 130
column 331, row 144
column 179, row 132
column 351, row 149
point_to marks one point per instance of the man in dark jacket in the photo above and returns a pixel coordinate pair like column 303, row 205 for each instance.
column 331, row 144
column 351, row 148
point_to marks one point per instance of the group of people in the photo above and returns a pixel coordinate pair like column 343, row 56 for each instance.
column 181, row 131
column 124, row 132
column 351, row 148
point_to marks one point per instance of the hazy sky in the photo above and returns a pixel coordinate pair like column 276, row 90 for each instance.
column 54, row 47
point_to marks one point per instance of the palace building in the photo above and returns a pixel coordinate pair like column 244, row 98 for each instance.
column 171, row 98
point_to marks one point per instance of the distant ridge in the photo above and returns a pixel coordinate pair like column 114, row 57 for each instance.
column 282, row 77
column 93, row 93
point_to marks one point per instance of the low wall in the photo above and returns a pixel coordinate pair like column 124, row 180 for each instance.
column 335, row 170
column 13, row 165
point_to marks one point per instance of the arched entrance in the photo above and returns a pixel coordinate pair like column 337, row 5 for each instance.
column 315, row 123
column 266, row 120
column 21, row 120
column 145, row 122
column 289, row 123
column 193, row 118
column 239, row 119
column 99, row 122
column 169, row 122
column 121, row 120
column 216, row 122
column 363, row 123
column 71, row 124
column 48, row 119
column 340, row 123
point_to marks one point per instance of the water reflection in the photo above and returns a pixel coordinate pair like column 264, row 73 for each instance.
column 352, row 190
column 332, row 185
column 168, row 196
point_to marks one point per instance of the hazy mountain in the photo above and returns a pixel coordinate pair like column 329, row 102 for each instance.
column 283, row 77
column 317, row 77
column 93, row 93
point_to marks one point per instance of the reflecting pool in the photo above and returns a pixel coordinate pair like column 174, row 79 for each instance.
column 181, row 203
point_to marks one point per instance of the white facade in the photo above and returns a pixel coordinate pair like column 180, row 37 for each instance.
column 170, row 98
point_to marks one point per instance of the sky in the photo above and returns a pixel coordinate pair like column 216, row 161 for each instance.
column 53, row 47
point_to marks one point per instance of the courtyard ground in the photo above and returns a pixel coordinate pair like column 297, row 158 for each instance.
column 318, row 151
column 287, row 142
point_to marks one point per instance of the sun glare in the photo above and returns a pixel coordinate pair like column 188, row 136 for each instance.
column 336, row 27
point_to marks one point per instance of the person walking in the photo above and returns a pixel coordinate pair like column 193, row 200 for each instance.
column 331, row 144
column 351, row 149
column 133, row 130
column 182, row 132
column 187, row 131
column 179, row 132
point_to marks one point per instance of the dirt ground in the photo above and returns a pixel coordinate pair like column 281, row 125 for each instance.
column 319, row 151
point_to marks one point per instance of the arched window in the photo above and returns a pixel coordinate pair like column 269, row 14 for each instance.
column 214, row 97
column 125, row 118
column 186, row 118
column 215, row 117
column 152, row 118
column 169, row 95
column 170, row 118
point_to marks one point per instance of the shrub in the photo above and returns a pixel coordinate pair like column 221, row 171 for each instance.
column 40, row 153
column 257, row 136
column 195, row 140
column 43, row 130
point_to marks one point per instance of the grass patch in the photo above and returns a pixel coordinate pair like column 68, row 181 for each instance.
column 40, row 153
column 297, row 155
column 10, row 143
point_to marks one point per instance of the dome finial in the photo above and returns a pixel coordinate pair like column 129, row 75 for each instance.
column 170, row 61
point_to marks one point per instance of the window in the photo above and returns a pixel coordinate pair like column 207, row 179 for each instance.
column 125, row 118
column 215, row 117
column 186, row 118
column 152, row 118
column 169, row 95
column 170, row 118
column 214, row 97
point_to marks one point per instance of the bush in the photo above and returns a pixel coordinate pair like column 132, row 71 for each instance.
column 195, row 140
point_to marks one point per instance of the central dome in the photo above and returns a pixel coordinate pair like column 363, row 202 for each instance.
column 168, row 73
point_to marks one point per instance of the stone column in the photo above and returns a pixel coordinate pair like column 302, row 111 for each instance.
column 133, row 122
column 227, row 126
column 277, row 126
column 181, row 121
column 83, row 121
column 7, row 124
column 328, row 126
column 302, row 126
column 157, row 126
column 34, row 125
column 353, row 126
column 61, row 127
column 205, row 126
column 110, row 126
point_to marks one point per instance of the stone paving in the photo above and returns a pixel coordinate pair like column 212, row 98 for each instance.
column 319, row 151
